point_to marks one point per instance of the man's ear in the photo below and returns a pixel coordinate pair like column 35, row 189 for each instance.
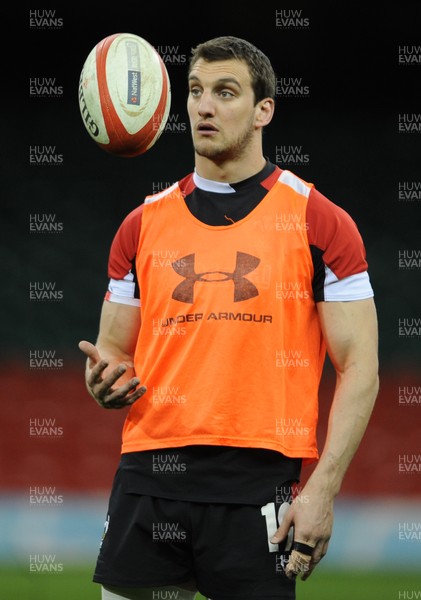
column 264, row 112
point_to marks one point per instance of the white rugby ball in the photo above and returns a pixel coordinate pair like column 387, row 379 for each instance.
column 124, row 94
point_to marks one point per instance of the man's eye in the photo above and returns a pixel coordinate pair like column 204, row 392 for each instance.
column 226, row 94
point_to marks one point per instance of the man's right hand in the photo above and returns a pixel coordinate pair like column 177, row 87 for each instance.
column 101, row 387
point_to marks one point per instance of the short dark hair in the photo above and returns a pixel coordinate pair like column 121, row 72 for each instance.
column 263, row 78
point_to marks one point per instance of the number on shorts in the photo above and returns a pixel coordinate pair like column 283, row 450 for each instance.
column 272, row 523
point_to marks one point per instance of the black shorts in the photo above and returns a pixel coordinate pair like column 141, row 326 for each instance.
column 224, row 548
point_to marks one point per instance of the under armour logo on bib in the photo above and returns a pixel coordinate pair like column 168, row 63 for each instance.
column 243, row 288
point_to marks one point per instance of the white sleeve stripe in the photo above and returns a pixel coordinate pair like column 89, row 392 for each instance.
column 123, row 291
column 354, row 287
column 295, row 183
column 123, row 287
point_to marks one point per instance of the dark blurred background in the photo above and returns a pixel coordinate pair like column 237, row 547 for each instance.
column 354, row 73
column 347, row 90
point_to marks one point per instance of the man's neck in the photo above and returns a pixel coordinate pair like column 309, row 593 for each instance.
column 230, row 171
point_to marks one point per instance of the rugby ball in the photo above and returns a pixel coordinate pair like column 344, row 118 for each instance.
column 124, row 94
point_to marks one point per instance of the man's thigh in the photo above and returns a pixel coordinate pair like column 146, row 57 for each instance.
column 146, row 541
column 233, row 556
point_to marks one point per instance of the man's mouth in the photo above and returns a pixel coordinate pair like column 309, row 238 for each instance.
column 206, row 128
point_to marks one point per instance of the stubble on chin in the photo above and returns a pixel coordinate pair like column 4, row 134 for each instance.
column 208, row 151
column 221, row 153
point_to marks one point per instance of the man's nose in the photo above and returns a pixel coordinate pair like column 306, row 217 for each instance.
column 206, row 105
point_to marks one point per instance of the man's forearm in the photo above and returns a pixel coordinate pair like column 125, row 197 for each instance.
column 352, row 406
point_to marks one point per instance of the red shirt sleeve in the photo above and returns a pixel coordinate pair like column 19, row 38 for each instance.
column 124, row 245
column 333, row 231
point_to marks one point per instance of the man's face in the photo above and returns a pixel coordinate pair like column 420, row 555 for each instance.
column 221, row 109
